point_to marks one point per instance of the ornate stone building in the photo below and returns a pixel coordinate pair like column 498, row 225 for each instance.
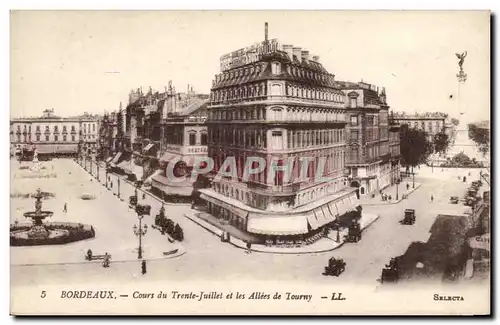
column 279, row 104
column 52, row 135
column 369, row 163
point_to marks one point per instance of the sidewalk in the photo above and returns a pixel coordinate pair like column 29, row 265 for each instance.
column 391, row 191
column 324, row 244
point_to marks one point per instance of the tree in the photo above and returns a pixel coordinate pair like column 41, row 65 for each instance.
column 415, row 148
column 481, row 136
column 178, row 233
column 455, row 121
column 441, row 142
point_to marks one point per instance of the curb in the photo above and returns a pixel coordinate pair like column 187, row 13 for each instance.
column 243, row 247
column 111, row 262
column 392, row 202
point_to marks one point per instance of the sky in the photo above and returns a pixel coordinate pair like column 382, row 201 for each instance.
column 88, row 61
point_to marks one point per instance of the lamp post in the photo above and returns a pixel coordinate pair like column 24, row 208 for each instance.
column 397, row 188
column 118, row 182
column 140, row 231
column 338, row 228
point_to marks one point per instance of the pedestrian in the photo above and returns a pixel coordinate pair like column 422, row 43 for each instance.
column 432, row 198
column 65, row 209
column 143, row 196
column 249, row 246
column 143, row 267
column 407, row 186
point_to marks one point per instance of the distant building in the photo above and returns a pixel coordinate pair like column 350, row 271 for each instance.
column 52, row 135
column 430, row 123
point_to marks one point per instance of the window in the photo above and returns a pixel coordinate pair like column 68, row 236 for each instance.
column 46, row 138
column 204, row 139
column 38, row 128
column 47, row 128
column 56, row 138
column 65, row 138
column 37, row 138
column 72, row 138
column 72, row 128
column 192, row 139
column 354, row 135
column 353, row 102
column 276, row 68
column 93, row 127
column 354, row 120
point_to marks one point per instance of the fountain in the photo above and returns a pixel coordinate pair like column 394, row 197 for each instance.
column 38, row 230
column 49, row 233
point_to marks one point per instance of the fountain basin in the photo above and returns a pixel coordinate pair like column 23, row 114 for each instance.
column 57, row 233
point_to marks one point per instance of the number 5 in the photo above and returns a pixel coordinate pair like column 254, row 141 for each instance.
column 43, row 294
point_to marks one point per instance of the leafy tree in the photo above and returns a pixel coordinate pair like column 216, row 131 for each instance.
column 455, row 121
column 441, row 142
column 178, row 233
column 415, row 148
column 481, row 136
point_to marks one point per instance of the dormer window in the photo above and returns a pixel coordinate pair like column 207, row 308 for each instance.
column 276, row 68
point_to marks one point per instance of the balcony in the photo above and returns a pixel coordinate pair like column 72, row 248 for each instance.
column 268, row 100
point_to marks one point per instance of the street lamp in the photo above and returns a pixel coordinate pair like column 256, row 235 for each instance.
column 140, row 231
column 397, row 188
column 118, row 182
column 338, row 227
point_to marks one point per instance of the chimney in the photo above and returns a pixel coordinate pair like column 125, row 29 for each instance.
column 297, row 51
column 266, row 31
column 316, row 58
column 289, row 50
column 305, row 56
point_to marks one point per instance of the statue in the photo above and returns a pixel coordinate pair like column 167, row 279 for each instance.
column 461, row 58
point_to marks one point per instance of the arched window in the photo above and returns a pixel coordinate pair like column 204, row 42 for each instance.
column 276, row 90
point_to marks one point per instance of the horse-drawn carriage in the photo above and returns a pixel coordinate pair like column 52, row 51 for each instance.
column 409, row 217
column 143, row 209
column 390, row 273
column 335, row 267
column 354, row 232
column 132, row 200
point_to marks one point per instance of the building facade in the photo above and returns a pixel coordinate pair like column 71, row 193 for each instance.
column 276, row 103
column 371, row 168
column 52, row 135
column 430, row 123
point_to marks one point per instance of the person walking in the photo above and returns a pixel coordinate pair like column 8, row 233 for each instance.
column 432, row 198
column 65, row 209
column 143, row 267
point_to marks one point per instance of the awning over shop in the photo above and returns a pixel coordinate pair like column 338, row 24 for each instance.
column 237, row 211
column 148, row 147
column 313, row 221
column 172, row 157
column 54, row 149
column 125, row 165
column 278, row 226
column 116, row 158
column 163, row 184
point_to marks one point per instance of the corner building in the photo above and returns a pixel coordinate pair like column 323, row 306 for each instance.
column 277, row 103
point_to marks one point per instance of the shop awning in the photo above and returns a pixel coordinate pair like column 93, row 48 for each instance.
column 148, row 147
column 116, row 158
column 312, row 220
column 168, row 157
column 237, row 211
column 54, row 149
column 278, row 226
column 320, row 216
column 126, row 166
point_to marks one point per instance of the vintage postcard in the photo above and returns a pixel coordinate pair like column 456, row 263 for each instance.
column 250, row 163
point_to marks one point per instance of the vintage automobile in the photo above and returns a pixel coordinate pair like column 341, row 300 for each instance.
column 390, row 274
column 132, row 200
column 409, row 217
column 354, row 233
column 335, row 267
column 454, row 199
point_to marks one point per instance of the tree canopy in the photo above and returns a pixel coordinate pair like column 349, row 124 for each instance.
column 455, row 121
column 441, row 142
column 415, row 148
column 481, row 136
